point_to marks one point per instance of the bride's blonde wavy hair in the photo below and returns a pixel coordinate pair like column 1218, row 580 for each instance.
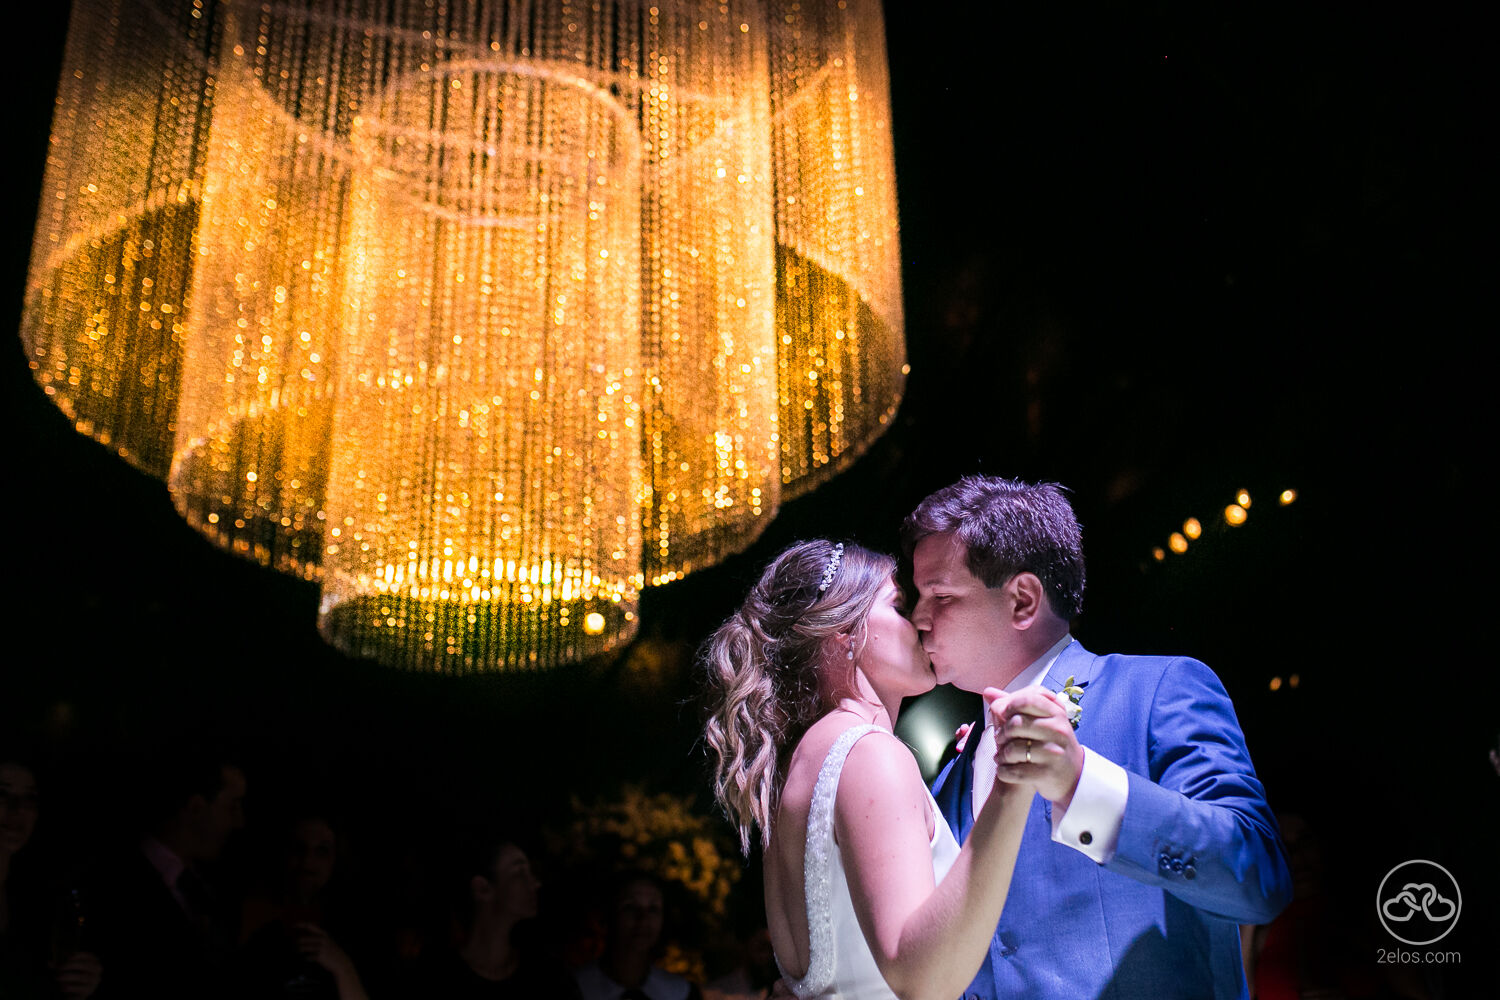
column 763, row 666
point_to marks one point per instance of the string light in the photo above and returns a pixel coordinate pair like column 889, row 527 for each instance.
column 486, row 315
column 838, row 310
column 112, row 257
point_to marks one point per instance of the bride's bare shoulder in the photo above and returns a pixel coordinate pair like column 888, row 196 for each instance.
column 880, row 789
column 883, row 765
column 807, row 758
column 881, row 752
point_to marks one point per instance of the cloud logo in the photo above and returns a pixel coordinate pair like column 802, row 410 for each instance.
column 1422, row 911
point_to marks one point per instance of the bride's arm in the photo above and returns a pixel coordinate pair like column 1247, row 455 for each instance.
column 929, row 941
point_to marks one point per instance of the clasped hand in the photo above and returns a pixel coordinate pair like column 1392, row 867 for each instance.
column 1034, row 742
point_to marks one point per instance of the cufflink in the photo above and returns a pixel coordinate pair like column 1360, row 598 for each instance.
column 1085, row 838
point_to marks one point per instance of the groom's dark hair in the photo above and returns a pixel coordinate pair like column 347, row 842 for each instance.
column 1007, row 527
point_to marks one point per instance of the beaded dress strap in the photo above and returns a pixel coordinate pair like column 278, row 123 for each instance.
column 816, row 867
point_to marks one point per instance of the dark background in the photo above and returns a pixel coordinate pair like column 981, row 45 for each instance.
column 1157, row 252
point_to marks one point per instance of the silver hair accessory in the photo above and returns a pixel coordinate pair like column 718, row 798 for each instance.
column 832, row 568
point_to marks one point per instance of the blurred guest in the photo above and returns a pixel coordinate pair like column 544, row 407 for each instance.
column 289, row 950
column 754, row 977
column 634, row 918
column 1306, row 951
column 164, row 930
column 41, row 946
column 492, row 959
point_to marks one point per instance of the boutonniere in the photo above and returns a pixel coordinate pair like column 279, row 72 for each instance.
column 1072, row 696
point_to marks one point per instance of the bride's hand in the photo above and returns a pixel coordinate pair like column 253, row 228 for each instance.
column 1035, row 744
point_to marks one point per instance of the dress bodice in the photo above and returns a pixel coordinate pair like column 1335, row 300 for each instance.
column 840, row 963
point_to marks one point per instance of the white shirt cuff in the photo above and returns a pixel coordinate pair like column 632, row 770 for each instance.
column 1092, row 821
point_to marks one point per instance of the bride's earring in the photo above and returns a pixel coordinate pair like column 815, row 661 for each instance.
column 851, row 651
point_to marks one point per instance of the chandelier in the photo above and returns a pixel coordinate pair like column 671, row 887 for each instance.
column 484, row 314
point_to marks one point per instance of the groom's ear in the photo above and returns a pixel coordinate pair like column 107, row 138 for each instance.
column 1029, row 600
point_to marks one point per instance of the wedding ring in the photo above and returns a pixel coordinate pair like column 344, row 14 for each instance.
column 1028, row 751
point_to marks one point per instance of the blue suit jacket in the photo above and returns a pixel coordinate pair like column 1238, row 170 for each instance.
column 1199, row 851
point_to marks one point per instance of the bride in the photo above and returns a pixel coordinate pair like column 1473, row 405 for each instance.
column 867, row 892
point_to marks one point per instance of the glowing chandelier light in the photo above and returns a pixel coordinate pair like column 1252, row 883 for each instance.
column 484, row 314
column 841, row 363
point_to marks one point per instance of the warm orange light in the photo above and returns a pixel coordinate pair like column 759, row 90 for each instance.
column 1275, row 683
column 1287, row 496
column 1294, row 680
column 1192, row 528
column 1177, row 543
column 399, row 296
column 1234, row 515
column 1242, row 498
column 1158, row 553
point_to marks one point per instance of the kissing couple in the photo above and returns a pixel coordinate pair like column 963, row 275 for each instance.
column 1101, row 834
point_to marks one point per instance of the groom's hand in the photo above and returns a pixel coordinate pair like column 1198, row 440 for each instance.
column 1035, row 744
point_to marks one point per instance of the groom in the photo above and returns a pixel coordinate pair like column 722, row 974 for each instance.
column 1149, row 841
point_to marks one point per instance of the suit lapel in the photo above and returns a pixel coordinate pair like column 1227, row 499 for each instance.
column 1075, row 662
column 965, row 804
column 955, row 788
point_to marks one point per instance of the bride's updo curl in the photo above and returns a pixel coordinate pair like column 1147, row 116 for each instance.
column 763, row 666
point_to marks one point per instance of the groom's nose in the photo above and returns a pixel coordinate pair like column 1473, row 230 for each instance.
column 920, row 616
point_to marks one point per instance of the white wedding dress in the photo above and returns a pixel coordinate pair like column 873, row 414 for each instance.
column 840, row 963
